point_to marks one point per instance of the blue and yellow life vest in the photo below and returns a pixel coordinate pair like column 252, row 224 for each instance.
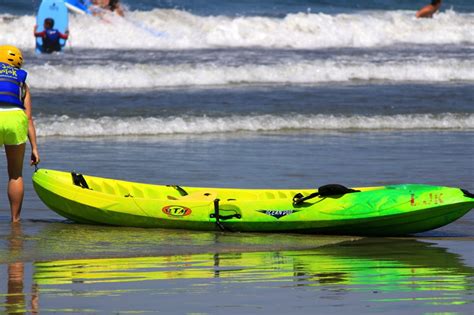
column 12, row 82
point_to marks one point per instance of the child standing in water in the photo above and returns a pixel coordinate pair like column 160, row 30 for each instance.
column 50, row 36
column 16, row 124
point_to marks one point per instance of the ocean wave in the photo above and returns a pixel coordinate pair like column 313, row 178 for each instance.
column 133, row 76
column 146, row 126
column 174, row 29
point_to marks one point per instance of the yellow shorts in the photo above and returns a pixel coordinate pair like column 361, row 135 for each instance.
column 13, row 127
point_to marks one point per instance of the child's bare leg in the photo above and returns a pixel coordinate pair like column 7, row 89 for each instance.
column 15, row 155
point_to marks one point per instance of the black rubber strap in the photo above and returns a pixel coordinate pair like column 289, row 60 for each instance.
column 79, row 180
column 467, row 193
column 217, row 216
column 181, row 191
column 299, row 198
column 324, row 191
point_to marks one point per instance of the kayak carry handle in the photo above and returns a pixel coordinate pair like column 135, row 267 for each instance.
column 216, row 215
column 324, row 191
column 467, row 193
column 181, row 191
column 79, row 180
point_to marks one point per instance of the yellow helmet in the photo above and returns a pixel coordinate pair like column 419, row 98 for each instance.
column 11, row 55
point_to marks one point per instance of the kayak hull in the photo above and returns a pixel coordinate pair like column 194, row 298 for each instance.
column 384, row 211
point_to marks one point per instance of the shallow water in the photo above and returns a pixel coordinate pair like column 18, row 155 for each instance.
column 51, row 265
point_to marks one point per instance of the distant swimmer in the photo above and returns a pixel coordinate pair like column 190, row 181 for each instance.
column 429, row 10
column 109, row 5
column 50, row 37
column 114, row 6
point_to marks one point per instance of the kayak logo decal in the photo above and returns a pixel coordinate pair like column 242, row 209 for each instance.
column 278, row 213
column 176, row 211
column 431, row 199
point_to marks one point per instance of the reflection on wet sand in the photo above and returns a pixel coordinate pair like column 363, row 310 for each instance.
column 56, row 240
column 429, row 275
column 15, row 299
column 80, row 269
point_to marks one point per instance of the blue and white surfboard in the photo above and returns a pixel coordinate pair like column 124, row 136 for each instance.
column 78, row 6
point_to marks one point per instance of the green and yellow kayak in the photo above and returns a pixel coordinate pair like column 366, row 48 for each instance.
column 332, row 209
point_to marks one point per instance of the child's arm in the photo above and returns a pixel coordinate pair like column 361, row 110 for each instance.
column 38, row 34
column 65, row 35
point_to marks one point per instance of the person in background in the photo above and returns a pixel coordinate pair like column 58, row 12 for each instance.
column 115, row 6
column 50, row 36
column 16, row 124
column 429, row 10
column 109, row 5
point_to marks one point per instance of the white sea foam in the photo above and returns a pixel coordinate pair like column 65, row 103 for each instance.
column 142, row 126
column 174, row 29
column 133, row 76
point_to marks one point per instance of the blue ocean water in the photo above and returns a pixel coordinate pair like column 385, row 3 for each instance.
column 247, row 94
column 262, row 8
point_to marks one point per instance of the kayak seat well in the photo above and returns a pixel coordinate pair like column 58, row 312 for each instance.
column 118, row 189
column 204, row 195
column 124, row 189
column 229, row 196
